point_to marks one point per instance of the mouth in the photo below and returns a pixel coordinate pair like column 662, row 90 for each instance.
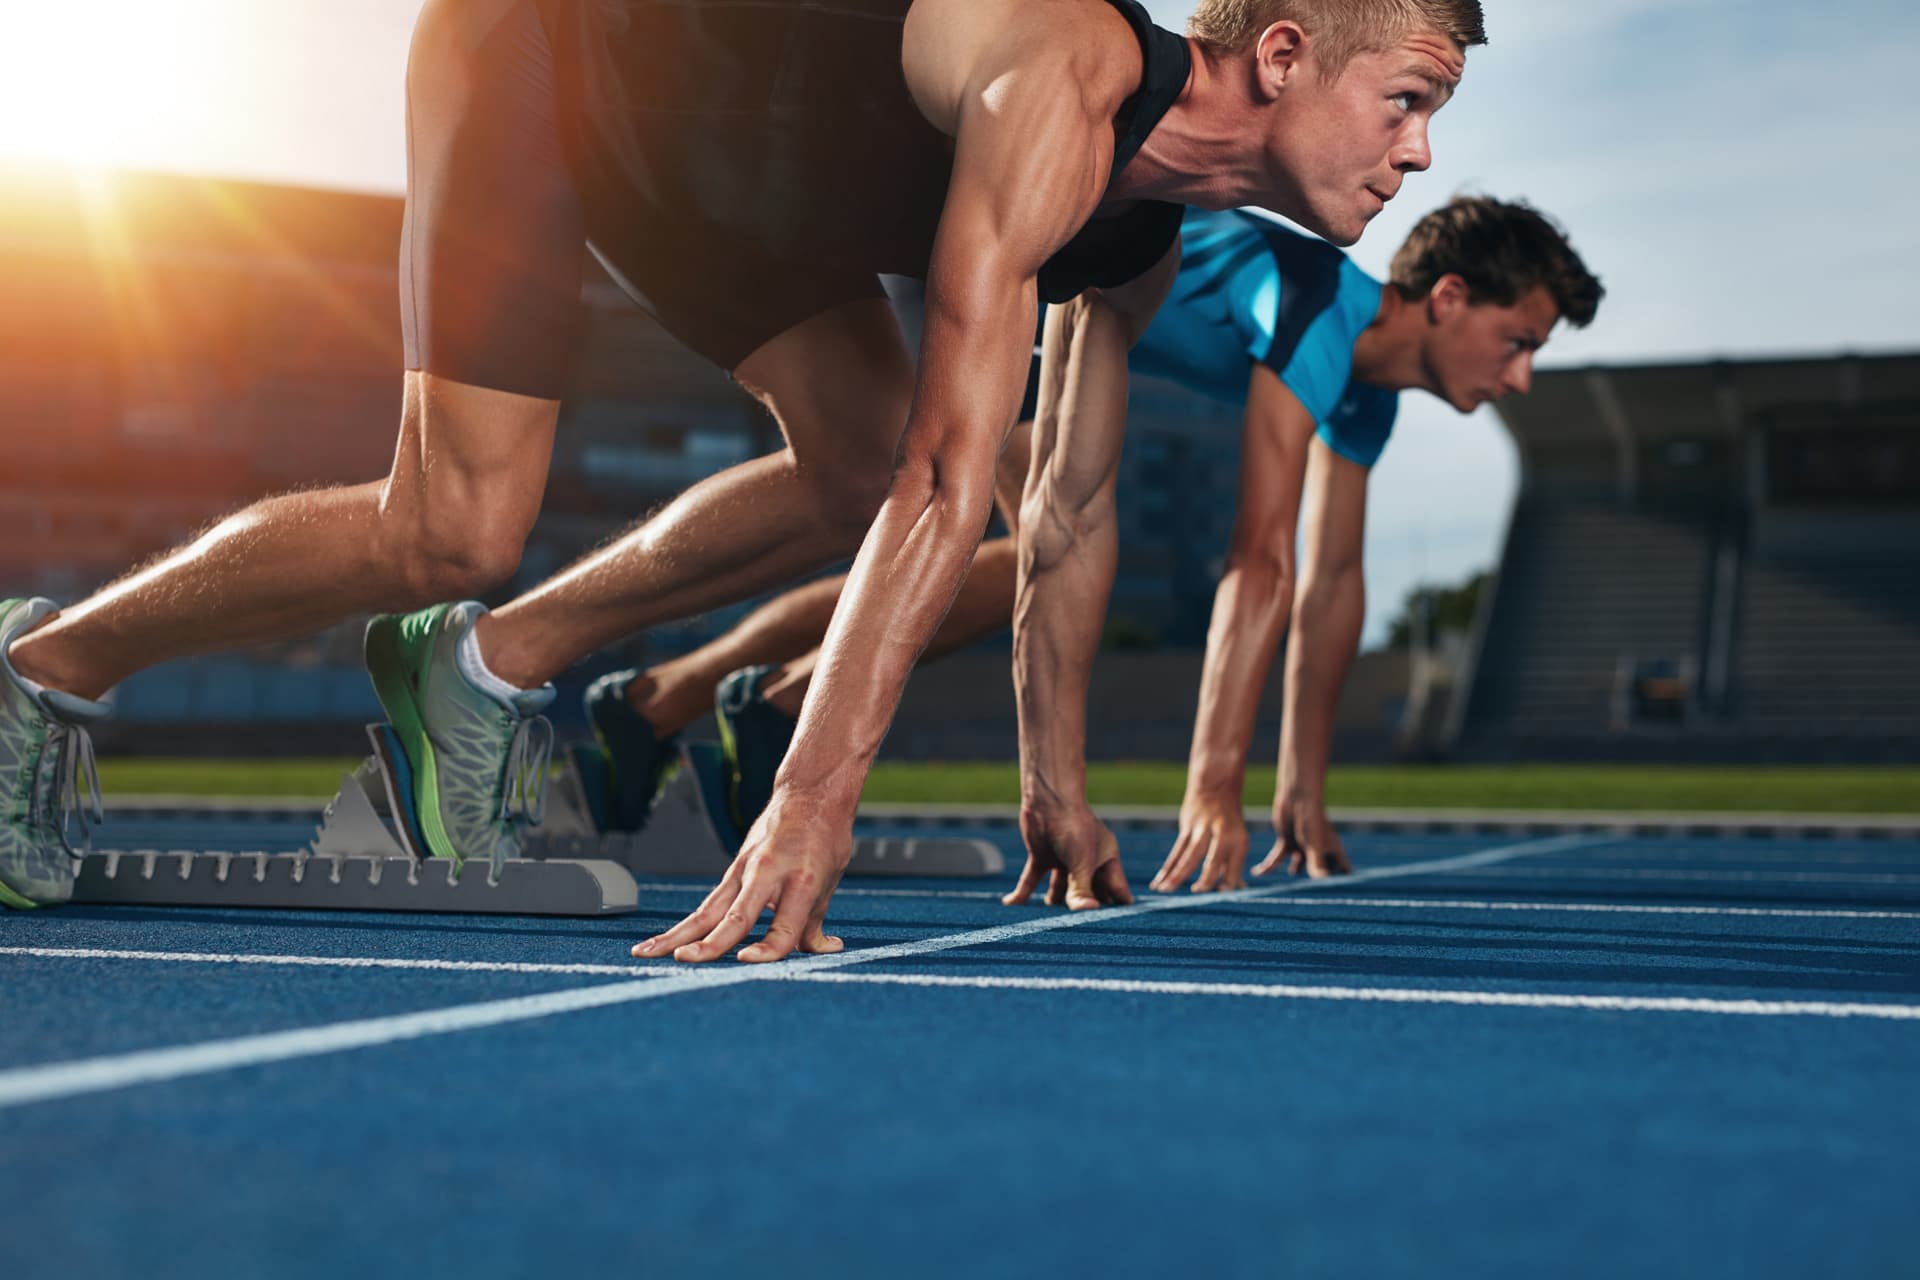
column 1382, row 196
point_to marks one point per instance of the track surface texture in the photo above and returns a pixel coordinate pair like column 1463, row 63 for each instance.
column 1575, row 1055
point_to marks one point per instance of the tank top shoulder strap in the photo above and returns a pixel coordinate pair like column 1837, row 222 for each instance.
column 1163, row 77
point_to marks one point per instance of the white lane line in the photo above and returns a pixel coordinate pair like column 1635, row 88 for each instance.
column 332, row 962
column 1454, row 904
column 705, row 887
column 1392, row 995
column 642, row 971
column 1265, row 991
column 23, row 1085
column 1176, row 902
column 1577, row 872
column 1905, row 857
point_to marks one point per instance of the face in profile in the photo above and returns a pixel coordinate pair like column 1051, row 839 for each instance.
column 1341, row 148
column 1477, row 353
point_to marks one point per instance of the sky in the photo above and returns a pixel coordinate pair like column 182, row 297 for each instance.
column 1740, row 173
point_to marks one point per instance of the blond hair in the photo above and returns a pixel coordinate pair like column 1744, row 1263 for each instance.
column 1340, row 28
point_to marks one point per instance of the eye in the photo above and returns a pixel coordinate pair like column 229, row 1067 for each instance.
column 1405, row 101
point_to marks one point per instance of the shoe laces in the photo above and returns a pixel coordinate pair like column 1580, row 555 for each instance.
column 523, row 795
column 74, row 796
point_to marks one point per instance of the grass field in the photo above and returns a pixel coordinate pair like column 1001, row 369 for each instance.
column 1609, row 787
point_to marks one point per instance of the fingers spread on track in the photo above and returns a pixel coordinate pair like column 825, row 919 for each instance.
column 1179, row 864
column 698, row 924
column 1029, row 881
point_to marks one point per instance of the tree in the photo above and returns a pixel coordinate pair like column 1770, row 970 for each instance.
column 1430, row 611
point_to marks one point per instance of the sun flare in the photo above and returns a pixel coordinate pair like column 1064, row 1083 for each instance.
column 84, row 84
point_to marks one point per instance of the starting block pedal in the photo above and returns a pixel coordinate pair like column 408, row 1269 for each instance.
column 364, row 857
column 689, row 832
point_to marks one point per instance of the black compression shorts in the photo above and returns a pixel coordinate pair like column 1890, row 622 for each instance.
column 493, row 246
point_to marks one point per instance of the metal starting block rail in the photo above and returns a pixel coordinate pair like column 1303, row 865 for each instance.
column 365, row 856
column 347, row 882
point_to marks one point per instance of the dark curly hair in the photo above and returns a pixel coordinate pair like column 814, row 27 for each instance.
column 1502, row 250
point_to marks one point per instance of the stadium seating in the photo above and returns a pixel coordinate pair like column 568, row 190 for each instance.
column 1829, row 639
column 1588, row 592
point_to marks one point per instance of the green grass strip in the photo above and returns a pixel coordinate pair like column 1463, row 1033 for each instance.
column 1619, row 788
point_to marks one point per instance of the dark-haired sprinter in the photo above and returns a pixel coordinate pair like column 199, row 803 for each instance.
column 745, row 167
column 1473, row 293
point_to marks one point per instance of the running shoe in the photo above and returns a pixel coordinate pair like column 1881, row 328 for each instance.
column 478, row 762
column 754, row 735
column 635, row 756
column 48, row 781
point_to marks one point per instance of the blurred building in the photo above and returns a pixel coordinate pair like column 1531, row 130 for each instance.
column 172, row 348
column 1707, row 561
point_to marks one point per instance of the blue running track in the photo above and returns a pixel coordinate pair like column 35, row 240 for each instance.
column 1572, row 1056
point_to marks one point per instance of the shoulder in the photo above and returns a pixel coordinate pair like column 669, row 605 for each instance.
column 1300, row 260
column 954, row 50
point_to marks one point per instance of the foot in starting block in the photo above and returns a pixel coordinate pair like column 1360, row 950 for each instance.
column 689, row 831
column 363, row 858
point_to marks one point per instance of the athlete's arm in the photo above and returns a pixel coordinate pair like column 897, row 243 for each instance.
column 1250, row 611
column 1030, row 107
column 1330, row 606
column 1068, row 542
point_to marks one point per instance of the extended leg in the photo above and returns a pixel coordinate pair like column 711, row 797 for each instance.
column 449, row 521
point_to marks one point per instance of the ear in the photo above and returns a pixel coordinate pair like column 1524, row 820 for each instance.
column 1449, row 297
column 1279, row 56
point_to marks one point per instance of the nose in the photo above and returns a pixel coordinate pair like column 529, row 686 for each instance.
column 1519, row 379
column 1413, row 154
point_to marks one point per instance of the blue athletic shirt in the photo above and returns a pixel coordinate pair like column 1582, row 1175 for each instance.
column 1249, row 288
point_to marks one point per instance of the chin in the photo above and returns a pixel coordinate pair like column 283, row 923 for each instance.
column 1339, row 231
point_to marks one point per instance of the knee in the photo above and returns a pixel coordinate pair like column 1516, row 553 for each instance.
column 464, row 493
column 448, row 553
column 849, row 495
column 844, row 490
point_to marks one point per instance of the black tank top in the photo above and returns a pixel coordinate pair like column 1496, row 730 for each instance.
column 785, row 127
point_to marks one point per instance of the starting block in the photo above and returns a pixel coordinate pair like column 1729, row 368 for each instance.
column 689, row 832
column 364, row 857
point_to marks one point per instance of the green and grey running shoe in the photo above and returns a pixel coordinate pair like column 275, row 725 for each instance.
column 48, row 781
column 754, row 736
column 479, row 762
column 635, row 756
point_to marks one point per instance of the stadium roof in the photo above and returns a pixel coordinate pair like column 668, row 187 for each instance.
column 1603, row 404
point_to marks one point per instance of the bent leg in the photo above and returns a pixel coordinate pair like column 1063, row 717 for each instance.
column 840, row 385
column 673, row 694
column 984, row 606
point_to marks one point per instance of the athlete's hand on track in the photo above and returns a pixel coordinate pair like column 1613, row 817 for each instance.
column 790, row 865
column 1305, row 841
column 1077, row 856
column 1212, row 840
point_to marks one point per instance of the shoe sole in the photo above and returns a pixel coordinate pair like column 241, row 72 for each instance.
column 389, row 656
column 730, row 761
column 599, row 706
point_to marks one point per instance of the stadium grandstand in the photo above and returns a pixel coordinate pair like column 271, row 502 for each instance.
column 1706, row 561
